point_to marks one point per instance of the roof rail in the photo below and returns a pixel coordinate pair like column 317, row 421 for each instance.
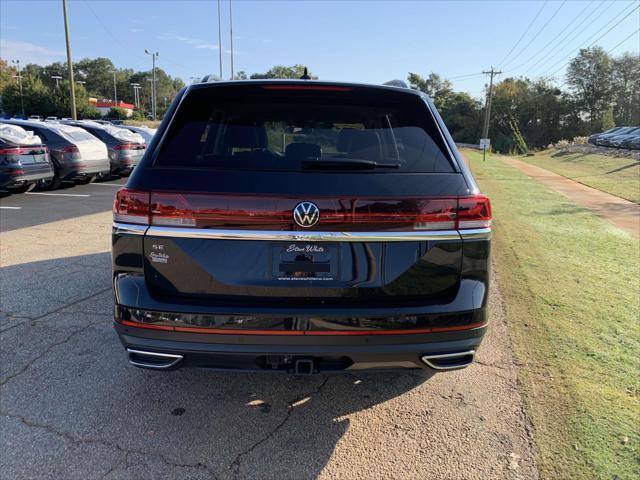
column 396, row 83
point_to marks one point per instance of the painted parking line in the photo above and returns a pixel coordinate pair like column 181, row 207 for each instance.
column 10, row 208
column 107, row 184
column 57, row 194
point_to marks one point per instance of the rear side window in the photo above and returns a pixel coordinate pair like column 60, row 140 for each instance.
column 275, row 128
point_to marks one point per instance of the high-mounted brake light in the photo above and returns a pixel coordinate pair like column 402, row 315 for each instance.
column 131, row 206
column 325, row 88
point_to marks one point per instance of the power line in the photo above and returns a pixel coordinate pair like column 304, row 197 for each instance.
column 560, row 33
column 595, row 41
column 626, row 38
column 538, row 33
column 523, row 35
column 564, row 41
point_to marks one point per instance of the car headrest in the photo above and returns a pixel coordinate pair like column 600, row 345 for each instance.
column 242, row 136
column 303, row 150
column 365, row 144
column 344, row 139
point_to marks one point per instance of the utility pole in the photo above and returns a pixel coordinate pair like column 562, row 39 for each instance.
column 19, row 79
column 219, row 39
column 153, row 82
column 72, row 85
column 487, row 108
column 231, row 35
column 115, row 90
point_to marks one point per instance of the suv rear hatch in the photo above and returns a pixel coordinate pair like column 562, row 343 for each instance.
column 231, row 198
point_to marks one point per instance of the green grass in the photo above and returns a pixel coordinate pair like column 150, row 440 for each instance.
column 571, row 282
column 616, row 175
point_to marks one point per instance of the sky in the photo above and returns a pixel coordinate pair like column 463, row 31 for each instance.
column 360, row 41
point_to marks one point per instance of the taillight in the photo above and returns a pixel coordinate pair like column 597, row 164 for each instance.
column 129, row 146
column 131, row 206
column 70, row 149
column 474, row 212
column 215, row 211
column 23, row 150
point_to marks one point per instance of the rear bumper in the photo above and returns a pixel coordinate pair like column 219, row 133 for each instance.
column 156, row 349
column 10, row 178
column 71, row 171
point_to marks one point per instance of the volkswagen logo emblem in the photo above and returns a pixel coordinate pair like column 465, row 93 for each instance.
column 306, row 214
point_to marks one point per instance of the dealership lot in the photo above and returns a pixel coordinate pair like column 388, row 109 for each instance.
column 72, row 407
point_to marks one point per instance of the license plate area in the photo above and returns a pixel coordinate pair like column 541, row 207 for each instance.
column 302, row 261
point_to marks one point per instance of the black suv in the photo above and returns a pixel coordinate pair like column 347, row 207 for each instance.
column 301, row 226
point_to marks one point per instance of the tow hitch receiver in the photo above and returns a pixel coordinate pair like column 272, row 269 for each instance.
column 303, row 366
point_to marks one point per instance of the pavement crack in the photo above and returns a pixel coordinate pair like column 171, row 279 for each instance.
column 56, row 310
column 235, row 465
column 113, row 445
column 28, row 365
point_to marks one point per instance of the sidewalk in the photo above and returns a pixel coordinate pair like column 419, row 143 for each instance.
column 619, row 212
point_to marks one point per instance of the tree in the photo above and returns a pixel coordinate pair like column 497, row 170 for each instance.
column 589, row 76
column 625, row 71
column 7, row 73
column 280, row 71
column 117, row 113
column 35, row 95
column 463, row 116
column 434, row 86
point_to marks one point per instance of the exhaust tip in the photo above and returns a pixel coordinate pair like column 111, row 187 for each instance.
column 449, row 361
column 158, row 361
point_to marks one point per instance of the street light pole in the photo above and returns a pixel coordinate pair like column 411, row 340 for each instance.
column 231, row 35
column 19, row 78
column 72, row 87
column 57, row 78
column 219, row 40
column 153, row 82
column 135, row 86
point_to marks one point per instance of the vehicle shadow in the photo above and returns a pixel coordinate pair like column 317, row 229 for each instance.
column 70, row 375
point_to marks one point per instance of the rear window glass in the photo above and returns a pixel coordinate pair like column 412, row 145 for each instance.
column 80, row 135
column 257, row 128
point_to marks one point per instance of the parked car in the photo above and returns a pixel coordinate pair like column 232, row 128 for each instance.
column 146, row 133
column 24, row 159
column 607, row 139
column 593, row 138
column 51, row 119
column 632, row 141
column 35, row 117
column 301, row 226
column 125, row 148
column 619, row 140
column 76, row 155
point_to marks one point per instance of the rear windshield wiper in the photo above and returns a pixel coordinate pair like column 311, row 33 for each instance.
column 344, row 164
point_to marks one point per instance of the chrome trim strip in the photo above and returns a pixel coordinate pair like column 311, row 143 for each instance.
column 173, row 359
column 306, row 236
column 129, row 228
column 427, row 359
column 475, row 233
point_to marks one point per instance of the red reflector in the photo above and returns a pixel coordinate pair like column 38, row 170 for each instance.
column 474, row 212
column 131, row 206
column 325, row 88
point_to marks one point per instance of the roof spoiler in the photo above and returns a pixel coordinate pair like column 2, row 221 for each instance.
column 396, row 83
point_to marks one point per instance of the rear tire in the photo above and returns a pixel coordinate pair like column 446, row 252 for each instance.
column 51, row 183
column 22, row 188
column 103, row 177
column 86, row 180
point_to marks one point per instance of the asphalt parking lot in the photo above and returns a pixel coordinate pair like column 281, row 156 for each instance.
column 71, row 407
